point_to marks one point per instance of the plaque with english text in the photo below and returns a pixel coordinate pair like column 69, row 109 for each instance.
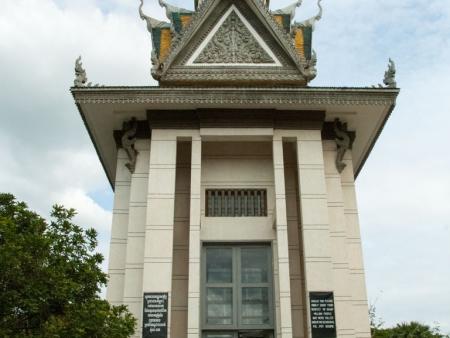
column 323, row 321
column 154, row 319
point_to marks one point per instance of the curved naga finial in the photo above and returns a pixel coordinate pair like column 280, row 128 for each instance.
column 311, row 21
column 171, row 9
column 129, row 131
column 343, row 142
column 389, row 75
column 80, row 74
column 289, row 10
column 151, row 22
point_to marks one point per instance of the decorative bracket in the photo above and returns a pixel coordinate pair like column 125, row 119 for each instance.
column 129, row 131
column 311, row 66
column 343, row 142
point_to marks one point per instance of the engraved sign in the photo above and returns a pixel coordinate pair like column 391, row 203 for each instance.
column 154, row 319
column 323, row 323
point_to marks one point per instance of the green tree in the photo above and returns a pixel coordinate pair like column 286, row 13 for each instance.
column 408, row 330
column 50, row 278
column 404, row 330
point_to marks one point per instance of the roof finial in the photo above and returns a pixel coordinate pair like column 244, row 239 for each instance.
column 80, row 74
column 312, row 21
column 172, row 9
column 289, row 10
column 151, row 22
column 389, row 75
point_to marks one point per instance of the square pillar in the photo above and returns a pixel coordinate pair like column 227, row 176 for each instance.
column 314, row 215
column 158, row 250
column 357, row 276
column 134, row 258
column 282, row 259
column 194, row 240
column 119, row 228
column 339, row 247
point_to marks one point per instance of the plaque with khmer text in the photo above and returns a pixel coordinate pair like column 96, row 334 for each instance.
column 154, row 319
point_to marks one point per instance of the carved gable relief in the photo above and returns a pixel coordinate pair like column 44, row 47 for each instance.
column 233, row 42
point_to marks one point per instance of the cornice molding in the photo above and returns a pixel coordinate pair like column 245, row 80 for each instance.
column 238, row 96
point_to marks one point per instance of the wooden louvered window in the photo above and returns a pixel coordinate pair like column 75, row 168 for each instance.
column 236, row 203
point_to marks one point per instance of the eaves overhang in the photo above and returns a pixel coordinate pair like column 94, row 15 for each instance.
column 103, row 109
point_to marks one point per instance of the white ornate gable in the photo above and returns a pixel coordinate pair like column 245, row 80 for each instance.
column 233, row 42
column 230, row 43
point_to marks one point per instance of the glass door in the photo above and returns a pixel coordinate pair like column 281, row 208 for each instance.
column 237, row 291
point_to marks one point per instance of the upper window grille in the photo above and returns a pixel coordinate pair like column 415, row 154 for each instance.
column 236, row 203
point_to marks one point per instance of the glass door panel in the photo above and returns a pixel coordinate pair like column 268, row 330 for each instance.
column 255, row 306
column 219, row 265
column 254, row 265
column 219, row 303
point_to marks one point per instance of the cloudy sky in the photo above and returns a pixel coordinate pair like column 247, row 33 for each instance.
column 403, row 192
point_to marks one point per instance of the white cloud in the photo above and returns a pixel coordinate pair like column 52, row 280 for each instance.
column 404, row 189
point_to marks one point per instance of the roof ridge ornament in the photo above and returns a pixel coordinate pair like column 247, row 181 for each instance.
column 170, row 9
column 289, row 10
column 311, row 22
column 389, row 75
column 80, row 74
column 151, row 22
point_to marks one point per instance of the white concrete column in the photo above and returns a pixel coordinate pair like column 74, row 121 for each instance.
column 194, row 240
column 119, row 228
column 284, row 282
column 357, row 276
column 339, row 247
column 314, row 215
column 134, row 258
column 158, row 252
